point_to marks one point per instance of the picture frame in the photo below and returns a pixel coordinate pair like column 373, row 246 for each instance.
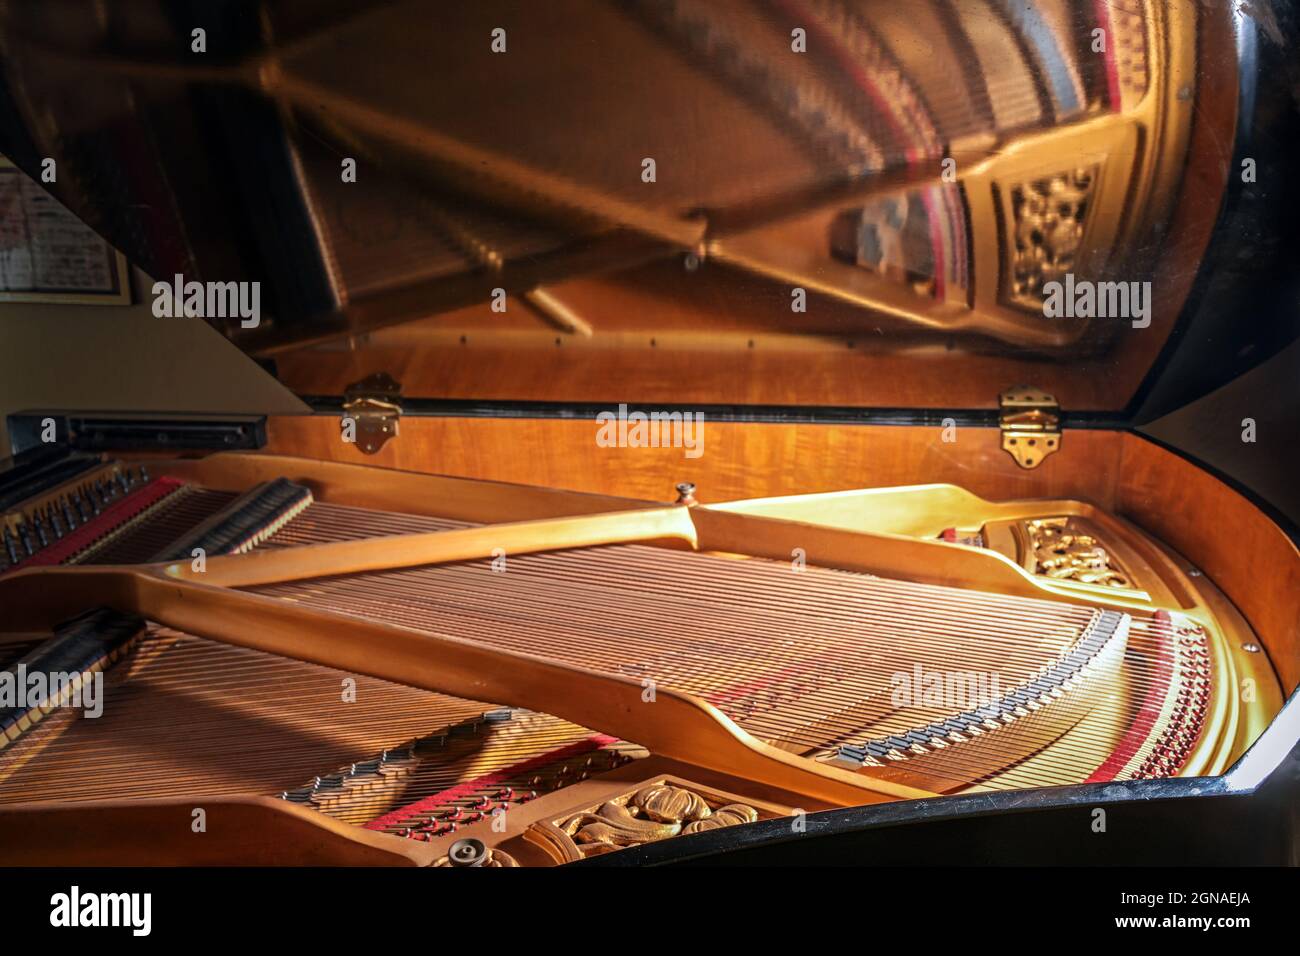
column 48, row 255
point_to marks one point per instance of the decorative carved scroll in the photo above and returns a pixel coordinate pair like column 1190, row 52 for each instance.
column 653, row 811
column 1048, row 220
column 1061, row 551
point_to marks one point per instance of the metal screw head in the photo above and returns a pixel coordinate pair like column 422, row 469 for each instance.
column 468, row 852
column 695, row 258
column 1250, row 647
column 685, row 493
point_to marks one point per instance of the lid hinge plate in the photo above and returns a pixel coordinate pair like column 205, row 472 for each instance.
column 1030, row 421
column 371, row 410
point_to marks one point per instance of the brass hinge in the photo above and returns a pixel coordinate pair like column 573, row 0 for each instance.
column 371, row 409
column 1031, row 424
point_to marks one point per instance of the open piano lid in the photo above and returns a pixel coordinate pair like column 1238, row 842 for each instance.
column 862, row 204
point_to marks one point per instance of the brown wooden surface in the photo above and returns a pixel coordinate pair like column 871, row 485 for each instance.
column 739, row 461
column 240, row 831
column 1225, row 536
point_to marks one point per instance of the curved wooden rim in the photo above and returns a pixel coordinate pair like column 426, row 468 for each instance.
column 238, row 831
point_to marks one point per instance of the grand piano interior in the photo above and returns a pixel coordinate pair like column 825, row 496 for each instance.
column 724, row 431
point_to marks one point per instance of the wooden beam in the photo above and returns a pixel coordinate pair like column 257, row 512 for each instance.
column 242, row 831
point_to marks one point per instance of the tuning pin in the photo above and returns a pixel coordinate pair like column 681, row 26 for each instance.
column 91, row 503
column 39, row 526
column 11, row 546
column 56, row 523
column 67, row 513
column 83, row 513
column 26, row 540
column 123, row 482
column 144, row 475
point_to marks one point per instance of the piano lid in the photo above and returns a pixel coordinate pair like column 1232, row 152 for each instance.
column 856, row 203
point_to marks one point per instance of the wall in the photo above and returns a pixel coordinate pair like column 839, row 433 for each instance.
column 124, row 359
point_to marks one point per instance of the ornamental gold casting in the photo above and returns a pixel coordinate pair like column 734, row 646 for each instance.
column 1063, row 553
column 654, row 812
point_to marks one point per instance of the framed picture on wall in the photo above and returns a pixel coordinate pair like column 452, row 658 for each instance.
column 49, row 255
